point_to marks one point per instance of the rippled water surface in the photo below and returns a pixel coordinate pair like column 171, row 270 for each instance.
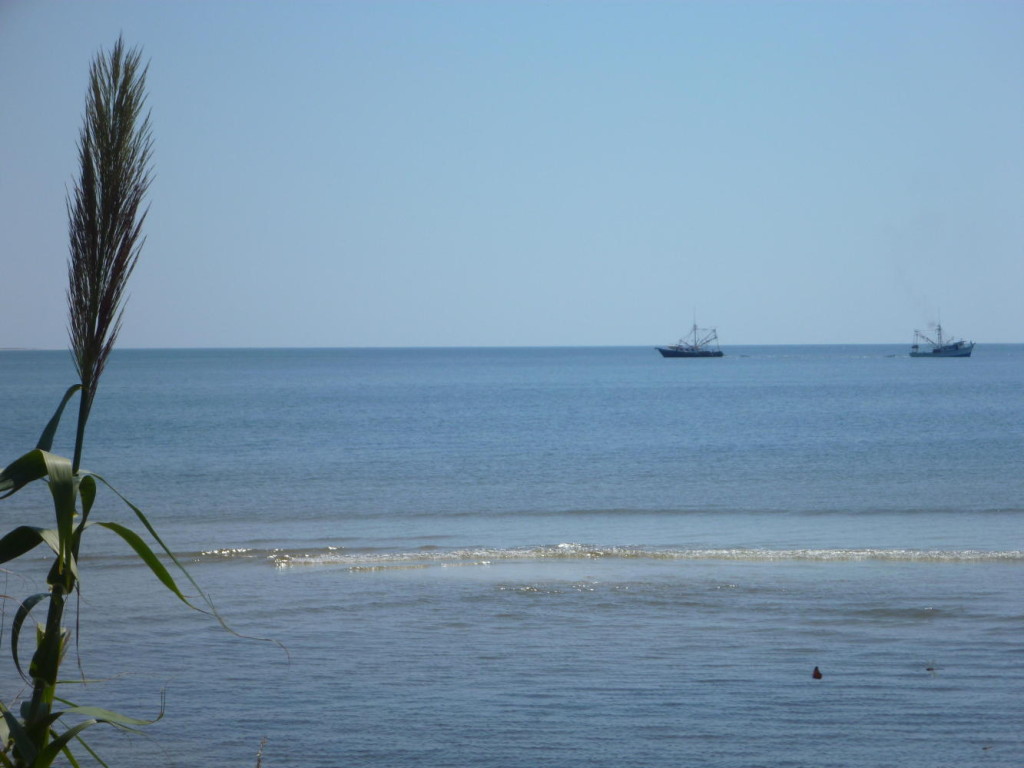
column 540, row 557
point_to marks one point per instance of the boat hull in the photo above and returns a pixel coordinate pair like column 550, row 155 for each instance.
column 953, row 350
column 673, row 352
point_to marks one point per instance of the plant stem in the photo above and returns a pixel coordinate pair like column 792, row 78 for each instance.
column 84, row 407
column 44, row 670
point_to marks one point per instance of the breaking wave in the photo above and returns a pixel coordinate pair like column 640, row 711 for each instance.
column 429, row 556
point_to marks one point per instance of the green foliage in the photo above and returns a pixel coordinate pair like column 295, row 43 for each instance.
column 105, row 223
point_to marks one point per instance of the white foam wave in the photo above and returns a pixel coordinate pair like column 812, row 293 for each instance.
column 571, row 551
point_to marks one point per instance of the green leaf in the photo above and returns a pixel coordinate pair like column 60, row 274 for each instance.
column 107, row 716
column 24, row 470
column 114, row 718
column 63, row 490
column 22, row 741
column 22, row 539
column 148, row 557
column 45, row 758
column 87, row 491
column 152, row 532
column 70, row 757
column 5, row 736
column 46, row 439
column 206, row 598
column 19, row 619
column 90, row 750
column 96, row 716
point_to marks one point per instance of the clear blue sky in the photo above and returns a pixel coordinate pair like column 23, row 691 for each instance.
column 535, row 173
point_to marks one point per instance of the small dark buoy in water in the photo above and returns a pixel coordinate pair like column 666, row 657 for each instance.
column 816, row 674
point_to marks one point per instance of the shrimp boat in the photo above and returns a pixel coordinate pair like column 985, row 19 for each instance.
column 702, row 342
column 925, row 346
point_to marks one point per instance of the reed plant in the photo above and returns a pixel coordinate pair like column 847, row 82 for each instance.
column 106, row 212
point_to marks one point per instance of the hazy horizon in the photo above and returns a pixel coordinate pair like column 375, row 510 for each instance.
column 121, row 347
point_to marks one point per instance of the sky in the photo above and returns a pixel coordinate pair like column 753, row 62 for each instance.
column 405, row 174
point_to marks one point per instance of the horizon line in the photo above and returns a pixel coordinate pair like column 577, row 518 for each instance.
column 482, row 346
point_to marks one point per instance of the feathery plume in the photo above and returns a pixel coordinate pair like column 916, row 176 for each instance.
column 105, row 213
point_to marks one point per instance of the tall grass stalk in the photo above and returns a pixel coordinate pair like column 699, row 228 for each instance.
column 105, row 214
column 105, row 218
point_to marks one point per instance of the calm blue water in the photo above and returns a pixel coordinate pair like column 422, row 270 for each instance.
column 553, row 557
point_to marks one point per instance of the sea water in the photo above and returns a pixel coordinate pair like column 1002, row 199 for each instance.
column 548, row 557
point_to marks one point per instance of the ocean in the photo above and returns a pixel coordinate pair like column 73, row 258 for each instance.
column 547, row 557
